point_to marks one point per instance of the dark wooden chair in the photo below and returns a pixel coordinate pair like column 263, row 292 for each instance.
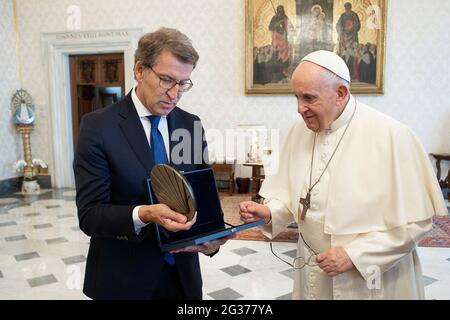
column 445, row 182
column 257, row 180
column 224, row 172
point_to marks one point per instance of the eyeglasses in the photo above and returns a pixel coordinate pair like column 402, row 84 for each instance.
column 168, row 83
column 299, row 262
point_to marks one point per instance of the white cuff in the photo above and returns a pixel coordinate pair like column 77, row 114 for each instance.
column 138, row 224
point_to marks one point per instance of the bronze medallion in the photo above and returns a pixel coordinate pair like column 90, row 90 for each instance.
column 172, row 189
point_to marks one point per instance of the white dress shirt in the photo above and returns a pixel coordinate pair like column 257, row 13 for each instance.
column 143, row 113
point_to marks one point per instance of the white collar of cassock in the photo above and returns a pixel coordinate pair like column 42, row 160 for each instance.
column 345, row 116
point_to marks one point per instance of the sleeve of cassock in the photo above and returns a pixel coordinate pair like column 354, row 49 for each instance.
column 281, row 218
column 385, row 248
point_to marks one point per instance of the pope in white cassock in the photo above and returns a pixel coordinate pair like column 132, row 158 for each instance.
column 360, row 186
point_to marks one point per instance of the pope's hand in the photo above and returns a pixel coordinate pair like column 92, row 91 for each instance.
column 334, row 261
column 251, row 211
column 165, row 217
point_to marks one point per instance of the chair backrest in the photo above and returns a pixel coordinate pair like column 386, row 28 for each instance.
column 225, row 172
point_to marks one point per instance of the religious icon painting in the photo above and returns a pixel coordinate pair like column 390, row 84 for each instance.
column 279, row 33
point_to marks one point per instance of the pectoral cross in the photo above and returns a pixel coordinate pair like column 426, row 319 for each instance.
column 306, row 202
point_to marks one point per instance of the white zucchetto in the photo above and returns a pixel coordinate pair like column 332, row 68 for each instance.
column 330, row 61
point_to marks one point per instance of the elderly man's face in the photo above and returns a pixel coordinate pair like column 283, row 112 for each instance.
column 317, row 101
column 157, row 100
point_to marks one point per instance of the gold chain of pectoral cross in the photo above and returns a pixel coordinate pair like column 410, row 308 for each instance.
column 306, row 201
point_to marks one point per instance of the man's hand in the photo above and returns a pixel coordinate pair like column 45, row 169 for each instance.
column 251, row 211
column 334, row 261
column 207, row 247
column 165, row 217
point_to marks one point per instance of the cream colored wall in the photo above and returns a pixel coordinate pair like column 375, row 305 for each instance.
column 10, row 147
column 417, row 62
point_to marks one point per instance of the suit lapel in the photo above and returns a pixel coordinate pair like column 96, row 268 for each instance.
column 172, row 124
column 134, row 133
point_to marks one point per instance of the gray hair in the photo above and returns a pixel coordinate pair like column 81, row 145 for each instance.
column 152, row 44
column 333, row 80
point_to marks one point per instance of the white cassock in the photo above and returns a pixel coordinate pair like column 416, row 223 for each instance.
column 376, row 200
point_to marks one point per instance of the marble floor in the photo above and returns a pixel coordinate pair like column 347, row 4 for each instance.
column 43, row 255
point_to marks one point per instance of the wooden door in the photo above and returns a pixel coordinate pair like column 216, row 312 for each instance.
column 96, row 81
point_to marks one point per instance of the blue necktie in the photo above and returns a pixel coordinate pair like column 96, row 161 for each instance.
column 159, row 156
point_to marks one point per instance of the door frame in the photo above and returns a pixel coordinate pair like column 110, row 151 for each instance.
column 57, row 47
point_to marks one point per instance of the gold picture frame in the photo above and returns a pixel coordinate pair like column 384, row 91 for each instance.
column 279, row 33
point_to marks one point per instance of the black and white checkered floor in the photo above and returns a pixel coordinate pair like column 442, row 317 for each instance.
column 43, row 254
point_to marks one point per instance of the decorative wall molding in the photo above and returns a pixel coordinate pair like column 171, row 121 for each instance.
column 56, row 48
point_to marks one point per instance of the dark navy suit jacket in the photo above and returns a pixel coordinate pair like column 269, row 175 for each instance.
column 112, row 162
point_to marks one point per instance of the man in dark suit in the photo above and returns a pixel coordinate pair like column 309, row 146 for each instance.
column 113, row 159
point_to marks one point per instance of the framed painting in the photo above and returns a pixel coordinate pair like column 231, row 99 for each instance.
column 279, row 33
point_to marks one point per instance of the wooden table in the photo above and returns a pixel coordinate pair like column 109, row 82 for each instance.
column 444, row 183
column 257, row 179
